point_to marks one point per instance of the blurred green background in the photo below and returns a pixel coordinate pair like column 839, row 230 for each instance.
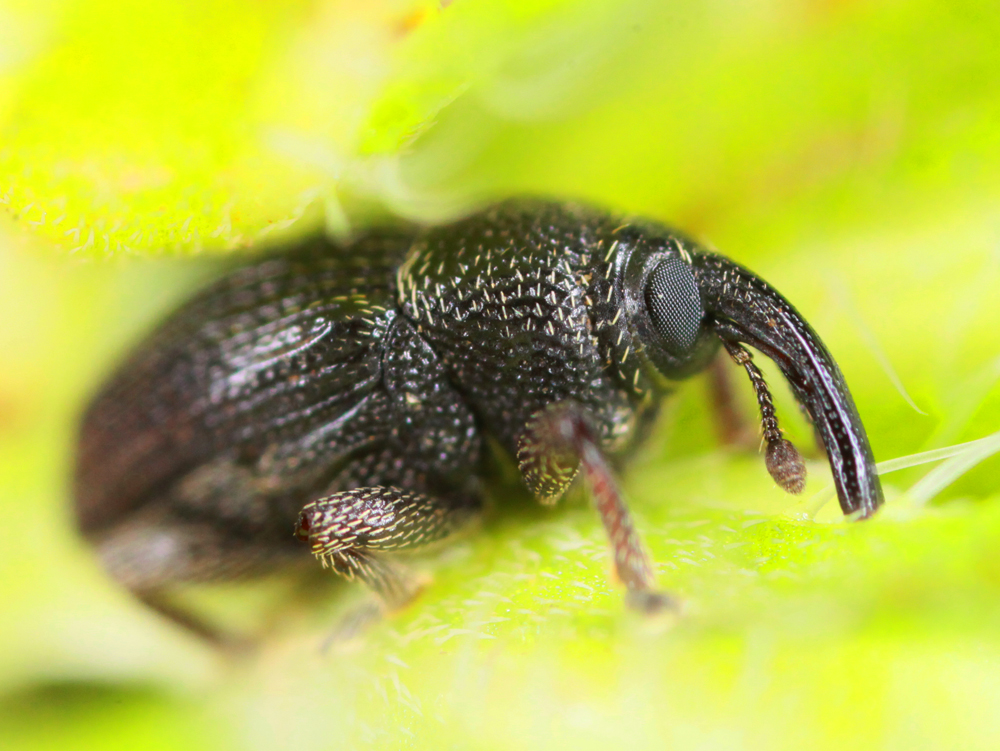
column 848, row 151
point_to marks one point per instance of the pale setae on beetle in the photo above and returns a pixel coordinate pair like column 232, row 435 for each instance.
column 339, row 399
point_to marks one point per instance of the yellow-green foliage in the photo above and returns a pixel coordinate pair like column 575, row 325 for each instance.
column 848, row 152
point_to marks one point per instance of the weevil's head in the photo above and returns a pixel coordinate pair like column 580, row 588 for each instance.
column 683, row 301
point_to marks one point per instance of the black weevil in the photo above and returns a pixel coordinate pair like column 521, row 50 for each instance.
column 343, row 396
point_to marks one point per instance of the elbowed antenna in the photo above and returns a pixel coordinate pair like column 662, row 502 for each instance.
column 743, row 308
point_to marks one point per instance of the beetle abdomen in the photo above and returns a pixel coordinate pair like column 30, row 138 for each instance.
column 269, row 354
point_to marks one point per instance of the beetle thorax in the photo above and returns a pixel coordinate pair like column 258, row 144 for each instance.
column 509, row 311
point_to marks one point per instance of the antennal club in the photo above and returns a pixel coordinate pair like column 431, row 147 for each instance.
column 784, row 463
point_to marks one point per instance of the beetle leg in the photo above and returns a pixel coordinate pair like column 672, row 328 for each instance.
column 159, row 600
column 347, row 530
column 154, row 551
column 557, row 442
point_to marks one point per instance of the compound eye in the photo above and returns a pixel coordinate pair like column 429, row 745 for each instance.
column 674, row 305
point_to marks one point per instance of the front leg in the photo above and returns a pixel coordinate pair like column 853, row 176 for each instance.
column 556, row 443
